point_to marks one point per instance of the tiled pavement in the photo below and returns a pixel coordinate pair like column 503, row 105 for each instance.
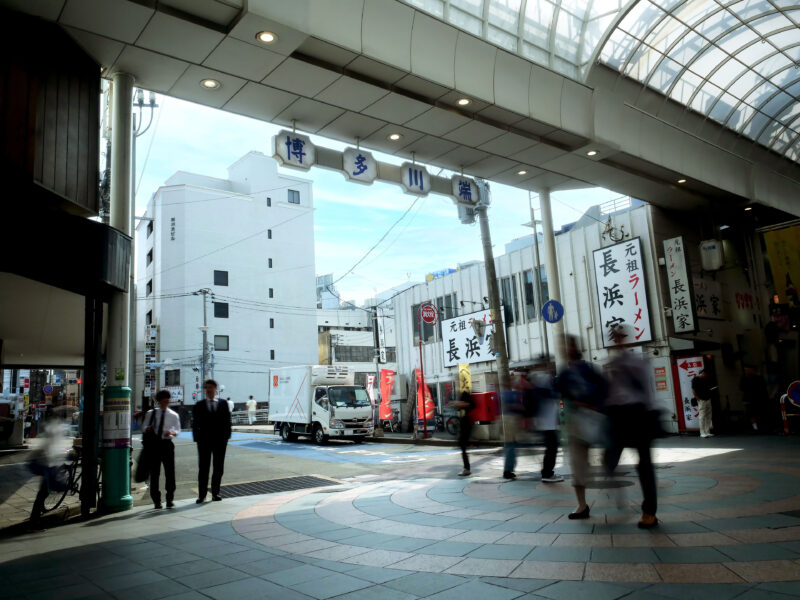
column 728, row 530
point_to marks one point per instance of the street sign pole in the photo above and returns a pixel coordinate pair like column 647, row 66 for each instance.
column 426, row 312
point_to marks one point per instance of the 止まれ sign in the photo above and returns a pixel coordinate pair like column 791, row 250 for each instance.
column 460, row 342
column 680, row 288
column 622, row 293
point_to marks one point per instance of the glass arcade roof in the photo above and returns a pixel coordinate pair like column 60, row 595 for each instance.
column 735, row 61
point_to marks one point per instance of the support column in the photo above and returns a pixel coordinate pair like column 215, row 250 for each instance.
column 93, row 335
column 116, row 442
column 553, row 284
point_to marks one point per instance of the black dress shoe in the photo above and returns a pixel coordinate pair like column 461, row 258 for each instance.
column 200, row 500
column 157, row 505
column 216, row 498
column 584, row 514
column 509, row 475
column 170, row 504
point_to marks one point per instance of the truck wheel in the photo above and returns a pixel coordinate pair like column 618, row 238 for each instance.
column 319, row 436
column 287, row 434
column 358, row 440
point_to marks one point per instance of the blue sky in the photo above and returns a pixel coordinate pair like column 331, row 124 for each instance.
column 349, row 218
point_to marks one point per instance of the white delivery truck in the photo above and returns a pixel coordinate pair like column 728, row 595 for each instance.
column 319, row 401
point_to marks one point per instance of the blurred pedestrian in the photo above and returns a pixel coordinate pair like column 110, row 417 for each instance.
column 165, row 424
column 633, row 419
column 754, row 394
column 48, row 461
column 702, row 389
column 211, row 430
column 544, row 411
column 584, row 390
column 230, row 405
column 511, row 399
column 465, row 405
column 251, row 410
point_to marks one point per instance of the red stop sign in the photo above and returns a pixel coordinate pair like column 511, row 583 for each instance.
column 429, row 313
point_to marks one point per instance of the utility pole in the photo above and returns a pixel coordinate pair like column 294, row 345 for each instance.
column 537, row 280
column 499, row 338
column 204, row 361
column 553, row 284
column 376, row 338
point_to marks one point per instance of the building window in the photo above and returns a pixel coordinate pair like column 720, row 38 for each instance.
column 172, row 377
column 149, row 287
column 269, row 201
column 353, row 353
column 427, row 330
column 447, row 306
column 221, row 310
column 148, row 318
column 294, row 197
column 221, row 342
column 529, row 292
column 509, row 298
column 269, row 262
column 269, row 234
column 270, row 293
column 150, row 256
column 149, row 228
column 391, row 354
column 271, row 323
column 272, row 354
column 220, row 278
column 545, row 293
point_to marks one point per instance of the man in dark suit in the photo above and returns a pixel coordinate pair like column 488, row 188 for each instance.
column 211, row 431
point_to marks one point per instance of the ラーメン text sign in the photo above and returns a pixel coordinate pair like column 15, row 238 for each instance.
column 622, row 293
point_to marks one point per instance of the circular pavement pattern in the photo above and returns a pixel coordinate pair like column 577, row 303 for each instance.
column 722, row 520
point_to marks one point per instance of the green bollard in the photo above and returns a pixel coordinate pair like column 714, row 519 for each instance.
column 116, row 485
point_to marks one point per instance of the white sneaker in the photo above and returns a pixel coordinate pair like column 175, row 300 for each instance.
column 555, row 478
column 709, row 435
column 704, row 435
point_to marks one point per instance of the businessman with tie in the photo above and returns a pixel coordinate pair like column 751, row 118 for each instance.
column 211, row 430
column 165, row 424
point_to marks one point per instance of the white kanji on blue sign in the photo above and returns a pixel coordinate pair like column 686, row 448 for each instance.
column 359, row 165
column 415, row 179
column 464, row 190
column 294, row 150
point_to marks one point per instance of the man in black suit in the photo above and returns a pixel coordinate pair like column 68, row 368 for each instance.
column 211, row 431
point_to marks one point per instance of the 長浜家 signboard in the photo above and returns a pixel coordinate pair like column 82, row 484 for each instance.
column 460, row 343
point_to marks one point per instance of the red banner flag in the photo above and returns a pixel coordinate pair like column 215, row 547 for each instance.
column 387, row 382
column 430, row 409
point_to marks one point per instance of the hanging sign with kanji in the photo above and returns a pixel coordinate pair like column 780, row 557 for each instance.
column 460, row 342
column 621, row 292
column 359, row 166
column 680, row 287
column 294, row 150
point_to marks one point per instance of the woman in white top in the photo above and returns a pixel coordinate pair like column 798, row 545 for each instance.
column 166, row 424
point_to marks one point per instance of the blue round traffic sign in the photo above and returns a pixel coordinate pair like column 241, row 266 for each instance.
column 552, row 311
column 48, row 389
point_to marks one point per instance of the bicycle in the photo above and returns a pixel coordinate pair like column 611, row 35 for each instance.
column 392, row 424
column 71, row 471
column 452, row 424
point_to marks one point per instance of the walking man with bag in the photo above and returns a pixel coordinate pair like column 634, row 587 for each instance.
column 211, row 431
column 702, row 389
column 163, row 424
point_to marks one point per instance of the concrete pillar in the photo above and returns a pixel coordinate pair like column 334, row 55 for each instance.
column 118, row 341
column 553, row 283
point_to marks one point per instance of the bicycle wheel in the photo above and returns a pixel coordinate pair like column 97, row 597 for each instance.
column 56, row 497
column 452, row 426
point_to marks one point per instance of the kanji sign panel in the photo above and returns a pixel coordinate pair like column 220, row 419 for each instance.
column 621, row 292
column 175, row 393
column 429, row 314
column 708, row 299
column 415, row 179
column 461, row 345
column 359, row 166
column 464, row 190
column 688, row 368
column 294, row 150
column 680, row 287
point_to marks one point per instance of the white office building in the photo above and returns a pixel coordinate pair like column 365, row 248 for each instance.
column 249, row 241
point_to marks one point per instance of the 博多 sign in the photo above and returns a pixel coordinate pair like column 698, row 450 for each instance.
column 294, row 150
column 621, row 292
column 461, row 345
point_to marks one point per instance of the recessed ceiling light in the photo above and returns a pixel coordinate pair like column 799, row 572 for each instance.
column 748, row 208
column 681, row 181
column 523, row 172
column 463, row 101
column 210, row 84
column 266, row 37
column 591, row 153
column 394, row 136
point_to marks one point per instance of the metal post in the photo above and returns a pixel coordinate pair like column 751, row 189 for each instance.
column 93, row 335
column 551, row 266
column 421, row 387
column 377, row 385
column 205, row 342
column 491, row 284
column 538, row 282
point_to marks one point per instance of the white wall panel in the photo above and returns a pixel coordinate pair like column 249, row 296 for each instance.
column 474, row 67
column 433, row 50
column 545, row 96
column 512, row 78
column 386, row 32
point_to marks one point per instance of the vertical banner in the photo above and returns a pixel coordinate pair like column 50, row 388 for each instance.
column 464, row 378
column 784, row 261
column 387, row 383
column 621, row 291
column 429, row 409
column 371, row 388
column 687, row 368
column 680, row 288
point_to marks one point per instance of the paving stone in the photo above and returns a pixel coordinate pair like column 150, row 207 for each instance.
column 621, row 572
column 523, row 585
column 379, row 592
column 569, row 590
column 270, row 565
column 484, row 567
column 751, row 552
column 565, row 554
column 427, row 563
column 623, row 555
column 152, row 591
column 377, row 574
column 503, row 551
column 476, row 590
column 766, row 570
column 689, row 555
column 696, row 573
column 549, row 570
column 790, row 588
column 698, row 591
column 642, row 540
column 425, row 584
column 331, row 586
column 207, row 579
column 252, row 587
column 129, row 580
